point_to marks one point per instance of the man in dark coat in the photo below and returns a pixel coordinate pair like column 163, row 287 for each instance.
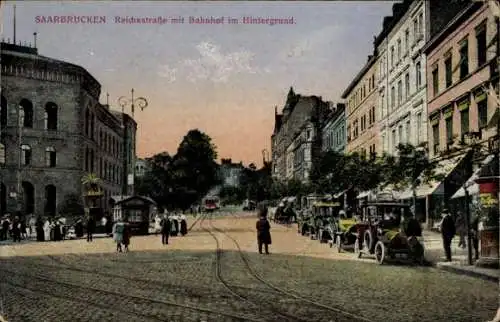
column 165, row 229
column 263, row 231
column 16, row 229
column 475, row 236
column 447, row 232
column 90, row 228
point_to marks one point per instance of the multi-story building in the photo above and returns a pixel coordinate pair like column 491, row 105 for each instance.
column 141, row 167
column 128, row 155
column 402, row 69
column 334, row 131
column 296, row 140
column 462, row 66
column 54, row 131
column 230, row 173
column 361, row 98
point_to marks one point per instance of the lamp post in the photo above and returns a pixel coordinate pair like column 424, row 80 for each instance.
column 20, row 121
column 142, row 103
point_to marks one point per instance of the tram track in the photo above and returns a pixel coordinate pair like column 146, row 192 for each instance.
column 290, row 293
column 218, row 273
column 30, row 279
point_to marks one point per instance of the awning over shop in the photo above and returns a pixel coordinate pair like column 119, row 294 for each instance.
column 338, row 194
column 365, row 194
column 443, row 167
column 471, row 185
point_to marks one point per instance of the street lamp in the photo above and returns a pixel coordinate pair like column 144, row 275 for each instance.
column 20, row 121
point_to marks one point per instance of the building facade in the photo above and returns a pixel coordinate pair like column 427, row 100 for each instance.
column 361, row 98
column 462, row 66
column 334, row 131
column 141, row 167
column 54, row 131
column 296, row 139
column 231, row 173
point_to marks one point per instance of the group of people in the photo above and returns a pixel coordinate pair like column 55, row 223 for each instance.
column 13, row 228
column 121, row 235
column 450, row 227
column 170, row 226
column 18, row 228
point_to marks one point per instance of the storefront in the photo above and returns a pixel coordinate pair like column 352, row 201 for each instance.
column 136, row 210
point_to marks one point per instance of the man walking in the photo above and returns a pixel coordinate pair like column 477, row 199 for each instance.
column 90, row 228
column 263, row 231
column 165, row 229
column 447, row 232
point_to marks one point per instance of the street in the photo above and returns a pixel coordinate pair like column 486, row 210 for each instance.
column 216, row 274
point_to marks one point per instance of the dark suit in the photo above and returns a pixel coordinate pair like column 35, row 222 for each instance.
column 90, row 229
column 165, row 230
column 448, row 232
column 263, row 234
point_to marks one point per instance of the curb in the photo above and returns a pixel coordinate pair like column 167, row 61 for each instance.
column 457, row 270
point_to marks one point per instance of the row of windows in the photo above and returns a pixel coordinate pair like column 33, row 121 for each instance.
column 105, row 169
column 397, row 53
column 107, row 142
column 482, row 121
column 361, row 93
column 372, row 152
column 27, row 156
column 354, row 127
column 404, row 94
column 335, row 138
column 25, row 118
column 463, row 62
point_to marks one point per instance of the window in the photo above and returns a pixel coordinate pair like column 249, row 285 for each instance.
column 407, row 85
column 448, row 71
column 407, row 40
column 394, row 144
column 418, row 75
column 419, row 127
column 50, row 157
column 372, row 115
column 399, row 49
column 25, row 154
column 435, row 81
column 449, row 130
column 87, row 121
column 464, row 59
column 420, row 26
column 50, row 116
column 400, row 134
column 435, row 137
column 400, row 92
column 464, row 121
column 26, row 113
column 408, row 131
column 415, row 30
column 482, row 111
column 392, row 56
column 363, row 123
column 481, row 45
column 393, row 97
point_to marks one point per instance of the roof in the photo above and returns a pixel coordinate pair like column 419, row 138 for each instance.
column 358, row 77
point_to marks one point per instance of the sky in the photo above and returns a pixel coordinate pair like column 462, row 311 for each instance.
column 225, row 79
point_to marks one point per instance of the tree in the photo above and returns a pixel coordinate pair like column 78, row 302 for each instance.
column 157, row 181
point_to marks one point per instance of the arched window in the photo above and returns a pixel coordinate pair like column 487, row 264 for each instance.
column 28, row 197
column 26, row 154
column 51, row 116
column 3, row 112
column 50, row 157
column 50, row 200
column 27, row 113
column 87, row 121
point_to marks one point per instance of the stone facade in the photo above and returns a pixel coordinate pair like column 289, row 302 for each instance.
column 362, row 98
column 141, row 167
column 461, row 70
column 51, row 110
column 296, row 140
column 334, row 131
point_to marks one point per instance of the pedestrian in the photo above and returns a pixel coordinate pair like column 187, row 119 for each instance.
column 46, row 230
column 158, row 224
column 263, row 231
column 24, row 233
column 32, row 226
column 461, row 228
column 40, row 235
column 79, row 228
column 16, row 230
column 118, row 235
column 5, row 228
column 184, row 229
column 475, row 235
column 127, row 234
column 175, row 226
column 90, row 228
column 165, row 229
column 447, row 232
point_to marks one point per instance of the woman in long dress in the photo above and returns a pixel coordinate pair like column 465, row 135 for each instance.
column 126, row 235
column 157, row 224
column 46, row 230
column 183, row 225
column 118, row 229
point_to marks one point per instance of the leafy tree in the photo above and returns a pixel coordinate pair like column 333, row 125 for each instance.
column 157, row 181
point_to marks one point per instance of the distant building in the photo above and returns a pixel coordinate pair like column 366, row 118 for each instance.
column 230, row 173
column 141, row 167
column 54, row 131
column 334, row 131
column 296, row 139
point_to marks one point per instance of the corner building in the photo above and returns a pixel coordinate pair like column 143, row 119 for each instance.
column 54, row 131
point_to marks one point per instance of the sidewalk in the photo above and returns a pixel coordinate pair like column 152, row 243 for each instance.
column 434, row 254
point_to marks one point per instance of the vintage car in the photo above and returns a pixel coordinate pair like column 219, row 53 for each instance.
column 347, row 231
column 386, row 235
column 324, row 223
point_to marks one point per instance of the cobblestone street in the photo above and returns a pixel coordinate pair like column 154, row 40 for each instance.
column 188, row 280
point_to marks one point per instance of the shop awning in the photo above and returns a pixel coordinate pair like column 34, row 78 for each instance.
column 338, row 194
column 470, row 184
column 365, row 194
column 443, row 167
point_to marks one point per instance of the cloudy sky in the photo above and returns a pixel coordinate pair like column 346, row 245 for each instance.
column 222, row 79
